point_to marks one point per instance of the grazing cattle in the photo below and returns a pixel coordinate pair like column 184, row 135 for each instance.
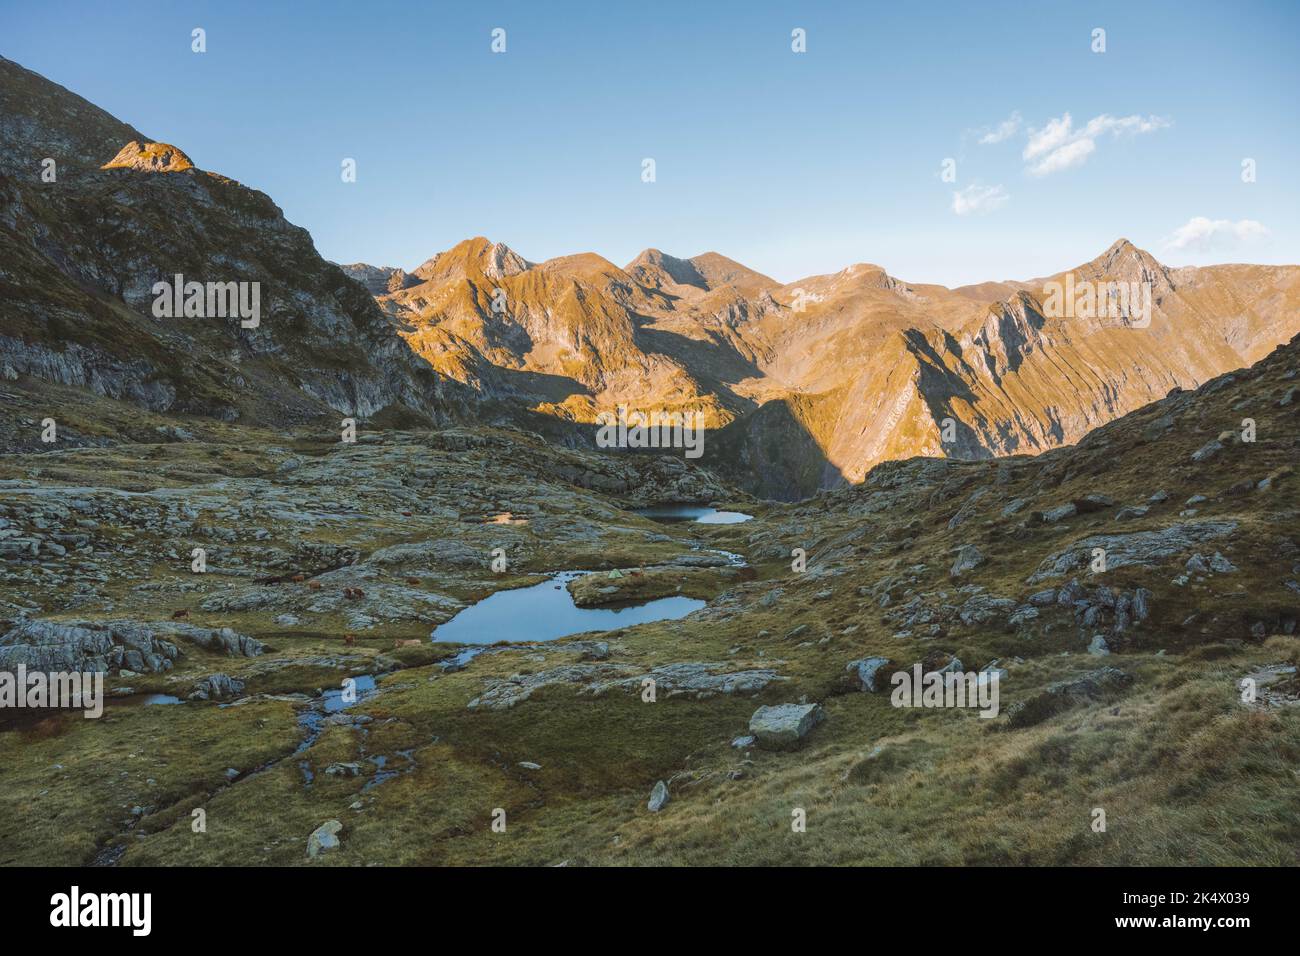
column 406, row 514
column 298, row 578
column 180, row 615
column 411, row 642
column 349, row 639
column 412, row 580
column 314, row 585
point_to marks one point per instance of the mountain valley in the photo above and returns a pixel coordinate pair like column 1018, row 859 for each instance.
column 260, row 533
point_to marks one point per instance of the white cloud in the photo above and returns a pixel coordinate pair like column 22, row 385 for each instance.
column 1003, row 131
column 978, row 200
column 1202, row 233
column 1073, row 153
column 1058, row 145
column 1048, row 138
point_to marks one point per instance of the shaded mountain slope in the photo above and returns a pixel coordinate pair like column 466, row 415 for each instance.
column 83, row 252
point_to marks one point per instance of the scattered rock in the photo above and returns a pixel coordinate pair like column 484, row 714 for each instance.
column 982, row 608
column 1093, row 502
column 1060, row 512
column 1022, row 616
column 217, row 687
column 969, row 557
column 324, row 838
column 1221, row 565
column 1130, row 512
column 866, row 672
column 344, row 769
column 658, row 797
column 1143, row 548
column 1207, row 451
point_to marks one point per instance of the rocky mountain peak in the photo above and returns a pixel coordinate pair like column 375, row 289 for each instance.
column 652, row 265
column 1125, row 262
column 502, row 261
column 150, row 158
column 478, row 255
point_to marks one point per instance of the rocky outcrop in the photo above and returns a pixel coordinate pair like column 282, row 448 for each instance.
column 217, row 687
column 67, row 647
column 1142, row 548
column 691, row 679
column 1086, row 688
column 150, row 158
column 112, row 645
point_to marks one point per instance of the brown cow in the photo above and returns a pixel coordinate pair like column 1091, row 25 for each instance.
column 180, row 615
column 349, row 639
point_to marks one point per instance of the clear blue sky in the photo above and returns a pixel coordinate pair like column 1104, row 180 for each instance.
column 794, row 164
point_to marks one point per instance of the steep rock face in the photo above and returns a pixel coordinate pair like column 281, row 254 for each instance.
column 1012, row 330
column 84, row 249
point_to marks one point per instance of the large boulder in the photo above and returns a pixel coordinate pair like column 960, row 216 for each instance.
column 784, row 726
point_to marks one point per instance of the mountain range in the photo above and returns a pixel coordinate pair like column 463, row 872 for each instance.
column 804, row 385
column 811, row 383
column 376, row 647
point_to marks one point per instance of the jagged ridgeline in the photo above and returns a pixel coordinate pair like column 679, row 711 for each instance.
column 802, row 386
column 812, row 383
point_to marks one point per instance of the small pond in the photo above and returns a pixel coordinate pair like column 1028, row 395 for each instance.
column 546, row 611
column 699, row 514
